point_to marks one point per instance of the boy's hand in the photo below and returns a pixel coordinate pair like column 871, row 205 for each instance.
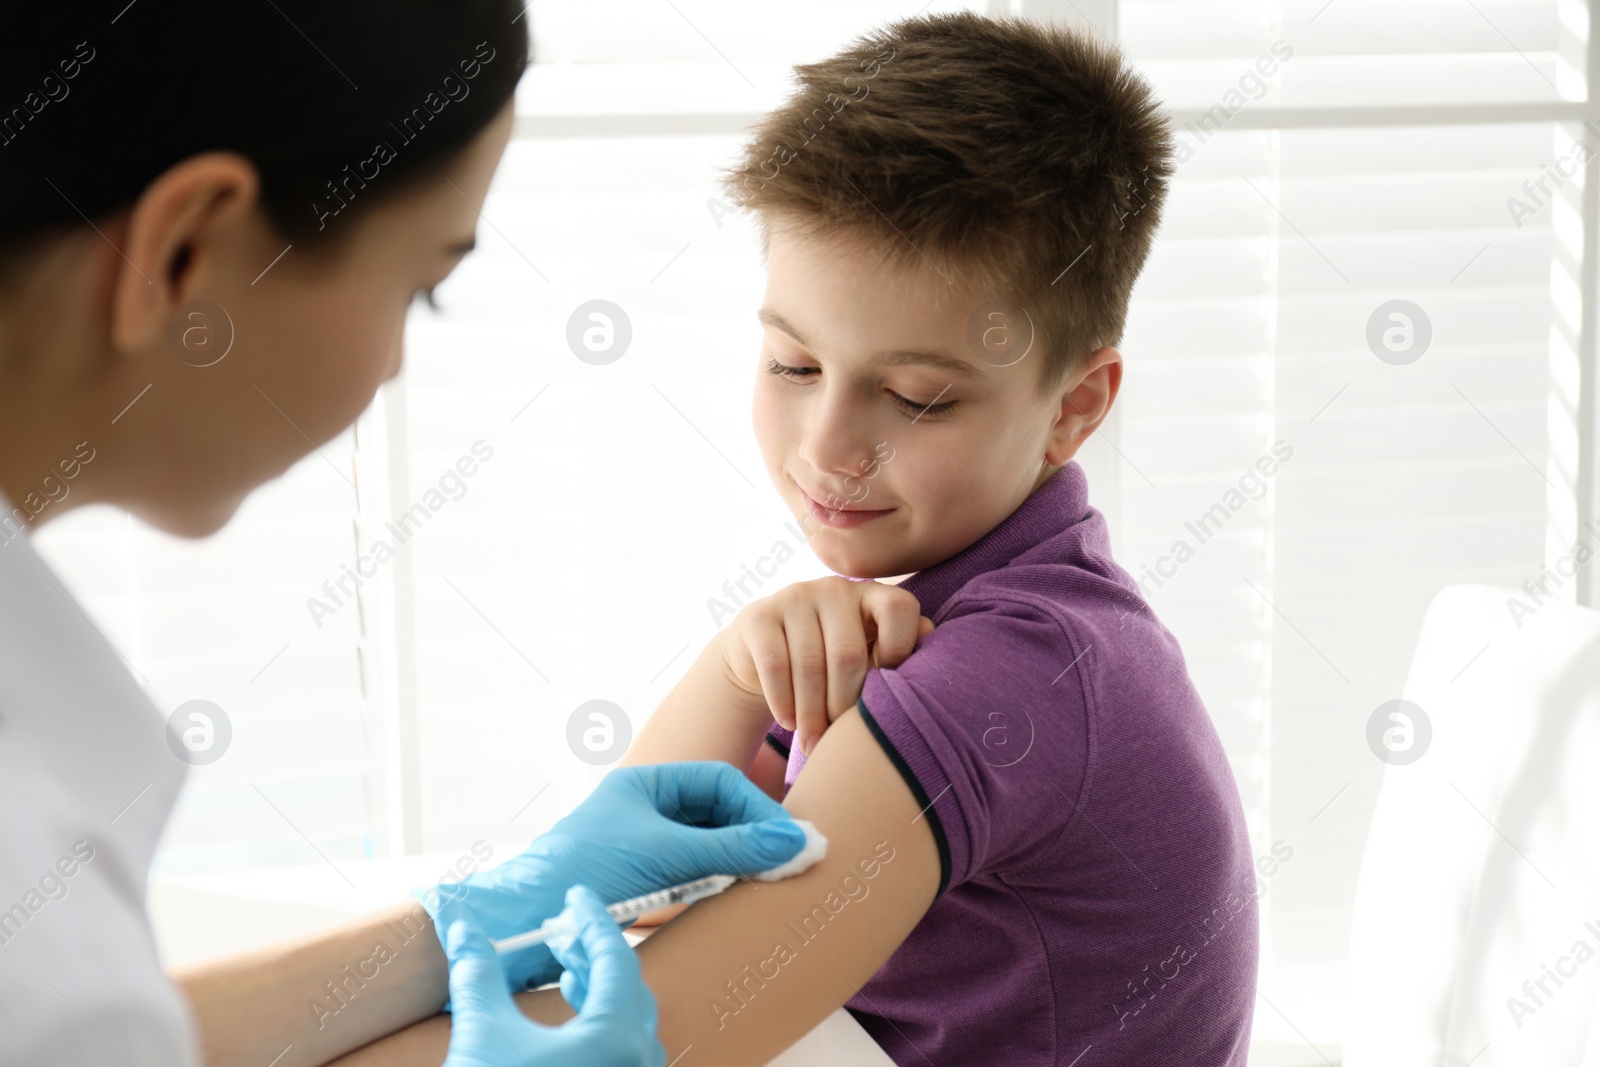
column 806, row 649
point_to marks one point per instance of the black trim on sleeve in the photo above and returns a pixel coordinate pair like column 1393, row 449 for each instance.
column 781, row 748
column 916, row 791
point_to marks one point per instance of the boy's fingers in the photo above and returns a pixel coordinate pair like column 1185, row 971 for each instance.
column 769, row 650
column 892, row 614
column 808, row 669
column 844, row 639
column 924, row 626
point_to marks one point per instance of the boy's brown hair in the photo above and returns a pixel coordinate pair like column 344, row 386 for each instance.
column 1026, row 162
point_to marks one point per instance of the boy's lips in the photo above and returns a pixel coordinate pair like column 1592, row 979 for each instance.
column 844, row 517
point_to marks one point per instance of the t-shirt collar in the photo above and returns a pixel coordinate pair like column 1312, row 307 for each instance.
column 1059, row 503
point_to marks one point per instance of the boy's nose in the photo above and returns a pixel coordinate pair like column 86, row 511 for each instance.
column 834, row 440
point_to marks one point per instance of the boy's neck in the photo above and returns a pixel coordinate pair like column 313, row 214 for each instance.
column 1048, row 472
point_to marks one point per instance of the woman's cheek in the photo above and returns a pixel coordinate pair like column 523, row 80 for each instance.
column 397, row 358
column 381, row 350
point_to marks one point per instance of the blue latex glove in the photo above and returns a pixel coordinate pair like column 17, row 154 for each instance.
column 633, row 835
column 616, row 1023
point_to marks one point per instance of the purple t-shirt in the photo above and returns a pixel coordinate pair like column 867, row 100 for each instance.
column 1096, row 888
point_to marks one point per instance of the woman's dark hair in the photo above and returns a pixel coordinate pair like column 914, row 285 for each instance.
column 338, row 103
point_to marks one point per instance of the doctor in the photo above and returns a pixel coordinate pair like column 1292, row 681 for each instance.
column 299, row 171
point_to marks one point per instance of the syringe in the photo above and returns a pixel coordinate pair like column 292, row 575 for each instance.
column 815, row 848
column 624, row 910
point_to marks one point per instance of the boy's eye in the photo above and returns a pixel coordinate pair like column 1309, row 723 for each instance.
column 916, row 409
column 786, row 371
column 919, row 409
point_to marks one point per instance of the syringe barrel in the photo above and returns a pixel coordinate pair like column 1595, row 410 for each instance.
column 624, row 911
column 628, row 910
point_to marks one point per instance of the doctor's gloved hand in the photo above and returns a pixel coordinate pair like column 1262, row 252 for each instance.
column 616, row 1023
column 642, row 829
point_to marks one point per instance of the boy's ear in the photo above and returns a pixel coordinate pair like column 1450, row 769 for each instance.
column 1086, row 399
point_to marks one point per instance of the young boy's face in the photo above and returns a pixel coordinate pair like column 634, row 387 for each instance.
column 887, row 431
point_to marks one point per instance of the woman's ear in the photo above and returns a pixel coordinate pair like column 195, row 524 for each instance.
column 1086, row 399
column 170, row 241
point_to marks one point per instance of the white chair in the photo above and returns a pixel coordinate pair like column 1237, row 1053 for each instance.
column 1482, row 870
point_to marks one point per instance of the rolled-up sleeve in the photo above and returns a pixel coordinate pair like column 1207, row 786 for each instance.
column 780, row 740
column 990, row 733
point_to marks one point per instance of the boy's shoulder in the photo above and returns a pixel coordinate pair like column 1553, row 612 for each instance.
column 1056, row 611
column 1069, row 577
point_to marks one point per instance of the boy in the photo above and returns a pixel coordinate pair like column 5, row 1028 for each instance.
column 1037, row 851
column 954, row 214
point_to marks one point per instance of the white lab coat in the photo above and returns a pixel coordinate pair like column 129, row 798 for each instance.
column 87, row 781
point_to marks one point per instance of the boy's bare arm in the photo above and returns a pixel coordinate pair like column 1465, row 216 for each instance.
column 707, row 715
column 701, row 719
column 278, row 982
column 767, row 771
column 798, row 657
column 778, row 957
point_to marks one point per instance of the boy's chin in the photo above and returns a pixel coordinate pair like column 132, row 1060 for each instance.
column 856, row 561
